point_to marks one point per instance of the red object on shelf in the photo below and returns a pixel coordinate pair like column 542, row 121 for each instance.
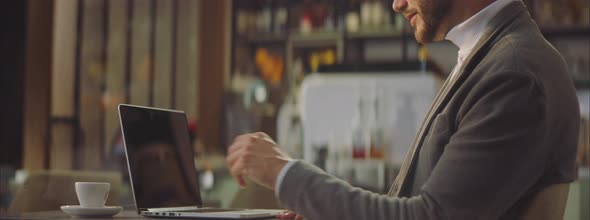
column 359, row 152
column 305, row 25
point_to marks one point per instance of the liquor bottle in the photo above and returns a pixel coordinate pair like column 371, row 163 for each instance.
column 360, row 132
column 280, row 17
column 377, row 138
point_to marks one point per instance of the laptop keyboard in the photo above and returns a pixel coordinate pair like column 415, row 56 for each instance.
column 205, row 210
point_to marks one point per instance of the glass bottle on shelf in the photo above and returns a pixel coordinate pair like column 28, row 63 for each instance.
column 360, row 132
column 305, row 25
column 242, row 21
column 377, row 145
column 280, row 19
column 353, row 22
column 340, row 17
column 264, row 18
column 329, row 25
column 377, row 14
column 366, row 17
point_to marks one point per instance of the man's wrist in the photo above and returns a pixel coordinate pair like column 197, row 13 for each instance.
column 282, row 174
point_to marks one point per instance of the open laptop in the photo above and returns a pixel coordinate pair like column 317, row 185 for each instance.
column 163, row 176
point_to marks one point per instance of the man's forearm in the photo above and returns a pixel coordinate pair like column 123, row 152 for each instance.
column 312, row 193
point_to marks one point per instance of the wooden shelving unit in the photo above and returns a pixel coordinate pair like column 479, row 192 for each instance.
column 349, row 46
column 262, row 38
column 292, row 40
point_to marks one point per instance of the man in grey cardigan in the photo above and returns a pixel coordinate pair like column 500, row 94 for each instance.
column 502, row 129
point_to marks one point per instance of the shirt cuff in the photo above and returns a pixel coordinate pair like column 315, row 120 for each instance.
column 281, row 176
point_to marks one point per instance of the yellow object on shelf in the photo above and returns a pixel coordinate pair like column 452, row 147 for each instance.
column 270, row 66
column 314, row 61
column 326, row 57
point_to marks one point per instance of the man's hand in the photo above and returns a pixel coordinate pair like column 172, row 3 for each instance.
column 257, row 157
column 289, row 215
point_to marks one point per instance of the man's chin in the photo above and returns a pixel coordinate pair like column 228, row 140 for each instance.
column 421, row 37
column 424, row 37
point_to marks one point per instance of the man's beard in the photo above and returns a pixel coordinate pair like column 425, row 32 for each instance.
column 433, row 12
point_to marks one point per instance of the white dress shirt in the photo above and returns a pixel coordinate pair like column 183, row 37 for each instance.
column 465, row 36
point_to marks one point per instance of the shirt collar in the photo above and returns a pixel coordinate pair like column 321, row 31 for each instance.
column 466, row 34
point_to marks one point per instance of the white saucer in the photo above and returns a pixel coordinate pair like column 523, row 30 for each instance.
column 78, row 211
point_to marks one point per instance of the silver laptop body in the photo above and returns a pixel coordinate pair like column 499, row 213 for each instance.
column 160, row 159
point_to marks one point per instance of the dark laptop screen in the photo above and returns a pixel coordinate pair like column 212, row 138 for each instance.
column 160, row 158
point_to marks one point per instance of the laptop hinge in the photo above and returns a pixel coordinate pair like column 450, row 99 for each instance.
column 172, row 209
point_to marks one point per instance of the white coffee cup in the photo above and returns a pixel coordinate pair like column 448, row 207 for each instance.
column 92, row 194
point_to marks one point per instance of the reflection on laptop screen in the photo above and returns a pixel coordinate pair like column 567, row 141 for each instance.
column 160, row 158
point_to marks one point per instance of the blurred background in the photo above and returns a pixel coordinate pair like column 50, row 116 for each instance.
column 339, row 83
